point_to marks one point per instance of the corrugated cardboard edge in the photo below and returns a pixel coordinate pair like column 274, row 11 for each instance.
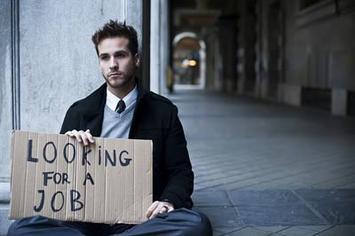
column 12, row 170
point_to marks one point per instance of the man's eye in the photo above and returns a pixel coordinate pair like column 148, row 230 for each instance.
column 104, row 58
column 120, row 55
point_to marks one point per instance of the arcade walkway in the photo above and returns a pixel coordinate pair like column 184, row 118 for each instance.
column 268, row 169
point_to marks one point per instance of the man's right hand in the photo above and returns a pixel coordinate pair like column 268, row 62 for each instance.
column 81, row 136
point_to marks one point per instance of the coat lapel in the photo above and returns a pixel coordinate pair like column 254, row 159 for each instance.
column 93, row 111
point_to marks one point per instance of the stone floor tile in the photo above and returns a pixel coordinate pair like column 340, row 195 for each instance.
column 249, row 231
column 225, row 230
column 315, row 228
column 272, row 208
column 210, row 198
column 298, row 231
column 221, row 216
column 273, row 229
column 339, row 230
column 336, row 205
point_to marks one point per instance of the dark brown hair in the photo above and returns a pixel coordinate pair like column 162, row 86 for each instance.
column 113, row 28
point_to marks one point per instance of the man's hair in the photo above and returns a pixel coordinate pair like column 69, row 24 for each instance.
column 112, row 29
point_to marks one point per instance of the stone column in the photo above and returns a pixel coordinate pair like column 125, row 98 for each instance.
column 159, row 45
column 6, row 116
column 339, row 102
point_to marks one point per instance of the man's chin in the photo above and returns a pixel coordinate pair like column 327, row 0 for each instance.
column 116, row 82
column 116, row 85
column 119, row 83
column 122, row 85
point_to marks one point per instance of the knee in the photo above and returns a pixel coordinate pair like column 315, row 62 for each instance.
column 203, row 227
column 196, row 223
column 14, row 227
column 39, row 225
column 19, row 227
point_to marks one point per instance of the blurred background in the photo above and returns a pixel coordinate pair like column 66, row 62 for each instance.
column 265, row 90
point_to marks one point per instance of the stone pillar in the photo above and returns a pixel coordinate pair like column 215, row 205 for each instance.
column 5, row 88
column 247, row 43
column 154, row 45
column 228, row 30
column 165, row 44
column 159, row 44
column 339, row 102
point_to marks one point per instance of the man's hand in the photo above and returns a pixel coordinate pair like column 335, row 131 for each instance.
column 81, row 136
column 158, row 208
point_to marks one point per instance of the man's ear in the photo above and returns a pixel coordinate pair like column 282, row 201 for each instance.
column 137, row 60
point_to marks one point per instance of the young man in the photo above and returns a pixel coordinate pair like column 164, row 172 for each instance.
column 122, row 109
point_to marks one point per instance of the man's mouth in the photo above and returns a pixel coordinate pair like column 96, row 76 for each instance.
column 115, row 74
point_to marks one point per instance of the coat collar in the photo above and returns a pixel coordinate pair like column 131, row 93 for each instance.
column 94, row 104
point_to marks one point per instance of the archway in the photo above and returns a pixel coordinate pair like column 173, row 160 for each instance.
column 189, row 61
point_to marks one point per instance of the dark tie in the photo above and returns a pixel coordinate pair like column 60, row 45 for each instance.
column 120, row 107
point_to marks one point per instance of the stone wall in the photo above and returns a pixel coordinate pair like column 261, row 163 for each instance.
column 58, row 63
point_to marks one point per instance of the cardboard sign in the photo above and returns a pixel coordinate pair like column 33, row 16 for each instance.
column 55, row 176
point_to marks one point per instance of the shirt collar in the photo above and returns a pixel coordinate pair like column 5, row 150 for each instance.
column 112, row 100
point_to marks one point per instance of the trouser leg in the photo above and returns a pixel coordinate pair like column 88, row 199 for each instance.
column 39, row 225
column 178, row 222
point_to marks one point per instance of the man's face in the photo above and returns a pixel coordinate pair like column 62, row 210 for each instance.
column 117, row 63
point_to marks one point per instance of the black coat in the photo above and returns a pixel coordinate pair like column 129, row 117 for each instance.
column 155, row 118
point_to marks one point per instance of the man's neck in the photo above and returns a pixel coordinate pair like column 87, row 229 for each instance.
column 122, row 92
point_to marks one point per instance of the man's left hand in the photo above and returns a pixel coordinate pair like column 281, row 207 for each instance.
column 158, row 208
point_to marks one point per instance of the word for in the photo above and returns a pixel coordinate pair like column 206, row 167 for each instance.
column 62, row 178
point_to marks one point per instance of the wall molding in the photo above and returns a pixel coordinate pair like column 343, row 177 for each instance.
column 15, row 64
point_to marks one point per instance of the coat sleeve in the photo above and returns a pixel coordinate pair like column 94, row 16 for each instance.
column 71, row 120
column 178, row 166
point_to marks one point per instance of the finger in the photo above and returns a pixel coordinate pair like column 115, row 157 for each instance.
column 89, row 136
column 84, row 137
column 157, row 211
column 170, row 209
column 71, row 133
column 151, row 209
column 169, row 206
column 78, row 137
column 163, row 209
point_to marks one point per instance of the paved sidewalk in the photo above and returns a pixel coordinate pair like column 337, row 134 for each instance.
column 269, row 169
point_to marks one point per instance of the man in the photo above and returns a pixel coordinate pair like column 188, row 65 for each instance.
column 122, row 109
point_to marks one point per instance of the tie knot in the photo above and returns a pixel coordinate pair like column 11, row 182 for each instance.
column 121, row 106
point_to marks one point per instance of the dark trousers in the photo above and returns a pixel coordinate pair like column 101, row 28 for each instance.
column 177, row 222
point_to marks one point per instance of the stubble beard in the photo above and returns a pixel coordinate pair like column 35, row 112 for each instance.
column 123, row 85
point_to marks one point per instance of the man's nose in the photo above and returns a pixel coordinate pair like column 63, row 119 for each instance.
column 113, row 63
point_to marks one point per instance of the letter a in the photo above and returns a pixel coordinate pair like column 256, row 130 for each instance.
column 88, row 176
